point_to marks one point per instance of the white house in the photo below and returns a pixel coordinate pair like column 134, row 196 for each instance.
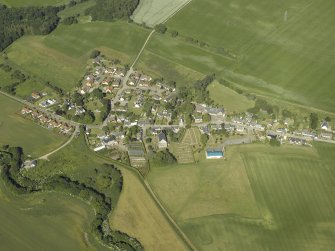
column 162, row 140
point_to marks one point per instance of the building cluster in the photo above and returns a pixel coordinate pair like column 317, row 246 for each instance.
column 46, row 121
column 103, row 75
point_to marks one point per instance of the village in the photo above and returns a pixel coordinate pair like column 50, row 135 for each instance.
column 131, row 117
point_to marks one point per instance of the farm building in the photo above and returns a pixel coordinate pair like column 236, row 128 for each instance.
column 214, row 153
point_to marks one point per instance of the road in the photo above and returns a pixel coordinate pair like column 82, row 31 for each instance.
column 45, row 157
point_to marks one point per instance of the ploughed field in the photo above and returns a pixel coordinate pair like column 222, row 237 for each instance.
column 260, row 198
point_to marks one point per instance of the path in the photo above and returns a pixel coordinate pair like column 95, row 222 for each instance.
column 45, row 157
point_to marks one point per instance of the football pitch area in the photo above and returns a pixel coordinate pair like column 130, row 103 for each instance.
column 283, row 49
column 260, row 198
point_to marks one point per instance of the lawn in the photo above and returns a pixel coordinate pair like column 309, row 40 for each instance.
column 283, row 49
column 153, row 12
column 260, row 198
column 229, row 99
column 25, row 3
column 61, row 57
column 40, row 221
column 18, row 131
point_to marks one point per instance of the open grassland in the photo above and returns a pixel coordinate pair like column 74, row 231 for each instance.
column 61, row 56
column 153, row 12
column 18, row 131
column 25, row 3
column 281, row 49
column 40, row 221
column 260, row 198
column 159, row 66
column 138, row 215
column 229, row 99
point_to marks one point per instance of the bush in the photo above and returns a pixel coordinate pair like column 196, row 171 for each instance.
column 160, row 28
column 95, row 54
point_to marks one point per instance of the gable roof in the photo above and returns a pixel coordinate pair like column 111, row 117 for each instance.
column 162, row 136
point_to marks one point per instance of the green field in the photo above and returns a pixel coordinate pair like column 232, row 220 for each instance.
column 40, row 221
column 286, row 56
column 18, row 131
column 24, row 3
column 153, row 12
column 229, row 99
column 61, row 56
column 260, row 198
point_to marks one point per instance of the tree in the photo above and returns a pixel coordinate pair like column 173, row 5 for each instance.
column 206, row 117
column 160, row 28
column 109, row 10
column 105, row 129
column 274, row 142
column 95, row 53
column 328, row 119
column 204, row 139
column 174, row 33
column 314, row 120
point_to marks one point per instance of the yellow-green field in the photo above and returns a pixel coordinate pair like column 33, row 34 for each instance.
column 61, row 57
column 229, row 99
column 18, row 131
column 138, row 215
column 259, row 198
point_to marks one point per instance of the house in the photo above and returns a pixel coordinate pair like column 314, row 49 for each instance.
column 214, row 153
column 162, row 140
column 240, row 129
column 326, row 135
column 99, row 148
column 197, row 119
column 325, row 126
column 35, row 95
column 29, row 164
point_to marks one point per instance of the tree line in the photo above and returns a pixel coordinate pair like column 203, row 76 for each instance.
column 16, row 22
column 109, row 10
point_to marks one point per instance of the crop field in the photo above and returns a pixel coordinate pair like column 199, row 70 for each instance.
column 282, row 50
column 183, row 153
column 61, row 56
column 138, row 215
column 229, row 99
column 153, row 12
column 192, row 137
column 18, row 131
column 262, row 198
column 40, row 221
